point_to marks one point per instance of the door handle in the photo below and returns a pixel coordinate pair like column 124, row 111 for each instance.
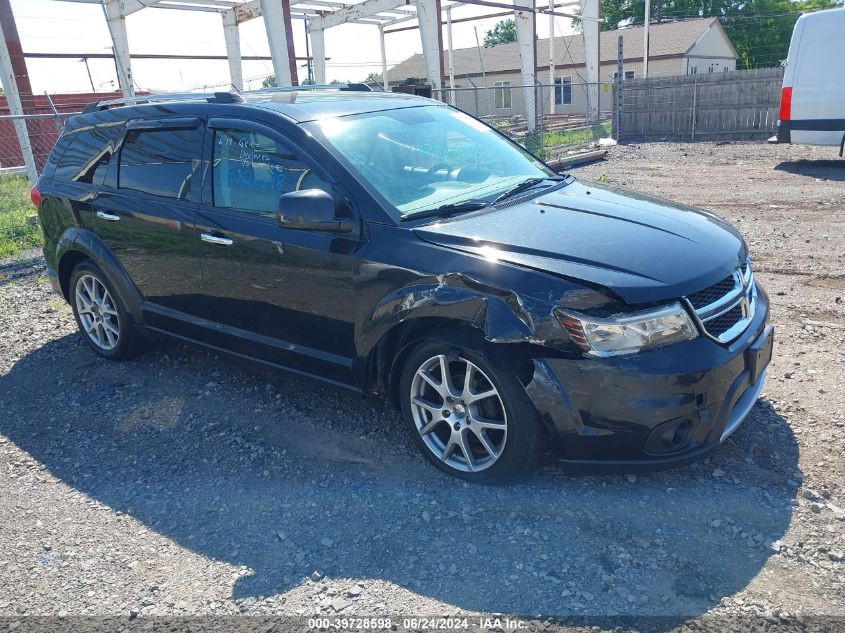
column 111, row 217
column 217, row 239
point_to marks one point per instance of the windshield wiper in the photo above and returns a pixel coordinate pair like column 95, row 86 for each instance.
column 523, row 186
column 446, row 210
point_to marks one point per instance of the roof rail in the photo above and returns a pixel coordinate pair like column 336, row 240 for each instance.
column 210, row 97
column 341, row 87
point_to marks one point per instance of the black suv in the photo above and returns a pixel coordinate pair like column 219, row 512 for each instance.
column 396, row 246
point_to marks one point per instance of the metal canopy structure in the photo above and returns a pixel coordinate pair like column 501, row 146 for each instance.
column 321, row 15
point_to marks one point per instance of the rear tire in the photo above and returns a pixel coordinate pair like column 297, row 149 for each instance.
column 479, row 424
column 100, row 315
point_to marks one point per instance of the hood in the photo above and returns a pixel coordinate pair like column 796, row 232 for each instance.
column 640, row 248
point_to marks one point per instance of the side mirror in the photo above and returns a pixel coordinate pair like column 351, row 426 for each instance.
column 311, row 210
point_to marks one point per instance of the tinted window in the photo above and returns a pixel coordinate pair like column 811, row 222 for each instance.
column 159, row 162
column 252, row 170
column 87, row 156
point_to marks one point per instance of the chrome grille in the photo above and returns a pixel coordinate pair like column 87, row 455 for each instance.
column 727, row 307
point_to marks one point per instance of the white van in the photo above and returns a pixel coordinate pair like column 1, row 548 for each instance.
column 812, row 102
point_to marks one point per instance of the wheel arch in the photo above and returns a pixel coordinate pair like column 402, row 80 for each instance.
column 454, row 308
column 77, row 244
column 388, row 358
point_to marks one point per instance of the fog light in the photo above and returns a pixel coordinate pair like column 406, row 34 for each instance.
column 670, row 437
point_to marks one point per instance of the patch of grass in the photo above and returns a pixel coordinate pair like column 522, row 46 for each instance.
column 578, row 137
column 15, row 233
column 58, row 305
column 534, row 144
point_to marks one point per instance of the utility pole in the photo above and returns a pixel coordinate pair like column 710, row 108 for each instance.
column 552, row 56
column 617, row 91
column 480, row 56
column 451, row 65
column 645, row 36
column 308, row 53
column 384, row 81
column 88, row 69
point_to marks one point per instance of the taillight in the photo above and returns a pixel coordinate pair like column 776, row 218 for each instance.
column 785, row 104
column 35, row 196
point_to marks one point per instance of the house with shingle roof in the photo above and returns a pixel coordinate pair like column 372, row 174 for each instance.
column 675, row 48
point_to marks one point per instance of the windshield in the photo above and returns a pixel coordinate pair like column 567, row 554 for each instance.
column 427, row 157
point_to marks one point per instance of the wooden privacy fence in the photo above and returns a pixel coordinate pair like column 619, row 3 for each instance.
column 737, row 105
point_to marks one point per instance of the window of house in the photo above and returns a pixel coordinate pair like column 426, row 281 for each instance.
column 563, row 90
column 502, row 97
column 630, row 74
column 160, row 162
column 251, row 171
column 711, row 69
column 693, row 70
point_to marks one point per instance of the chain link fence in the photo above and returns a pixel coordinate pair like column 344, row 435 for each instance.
column 25, row 144
column 548, row 120
column 29, row 134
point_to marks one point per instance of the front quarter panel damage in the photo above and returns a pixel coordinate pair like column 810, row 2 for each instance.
column 472, row 295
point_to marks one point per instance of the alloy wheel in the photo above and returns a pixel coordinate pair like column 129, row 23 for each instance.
column 97, row 312
column 458, row 413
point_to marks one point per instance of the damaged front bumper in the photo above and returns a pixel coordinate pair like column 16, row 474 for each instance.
column 656, row 409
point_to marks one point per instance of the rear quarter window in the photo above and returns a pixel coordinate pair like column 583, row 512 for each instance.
column 87, row 154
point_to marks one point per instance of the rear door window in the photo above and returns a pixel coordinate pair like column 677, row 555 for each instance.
column 251, row 171
column 160, row 161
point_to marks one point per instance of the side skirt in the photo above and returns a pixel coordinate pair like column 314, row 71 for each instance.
column 298, row 360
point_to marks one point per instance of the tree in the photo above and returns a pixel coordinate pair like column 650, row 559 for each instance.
column 502, row 33
column 373, row 78
column 760, row 30
column 270, row 82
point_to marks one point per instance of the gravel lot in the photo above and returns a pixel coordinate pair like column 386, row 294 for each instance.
column 182, row 483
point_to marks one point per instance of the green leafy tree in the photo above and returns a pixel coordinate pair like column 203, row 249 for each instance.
column 502, row 33
column 270, row 82
column 761, row 29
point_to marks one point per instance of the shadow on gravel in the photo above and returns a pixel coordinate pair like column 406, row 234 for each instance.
column 311, row 479
column 825, row 169
column 23, row 266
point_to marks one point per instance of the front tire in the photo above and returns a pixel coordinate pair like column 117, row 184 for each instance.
column 469, row 417
column 100, row 315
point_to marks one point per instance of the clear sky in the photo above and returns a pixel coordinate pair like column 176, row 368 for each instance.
column 52, row 26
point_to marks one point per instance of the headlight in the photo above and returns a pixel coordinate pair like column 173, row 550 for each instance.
column 628, row 333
